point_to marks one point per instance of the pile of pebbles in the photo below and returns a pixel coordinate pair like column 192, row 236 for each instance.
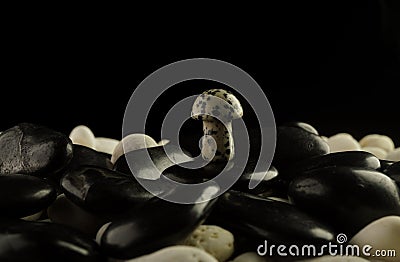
column 73, row 198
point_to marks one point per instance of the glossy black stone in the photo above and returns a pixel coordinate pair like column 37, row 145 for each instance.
column 305, row 126
column 22, row 195
column 385, row 164
column 85, row 156
column 347, row 198
column 102, row 190
column 265, row 219
column 360, row 159
column 295, row 144
column 393, row 171
column 33, row 149
column 35, row 241
column 149, row 163
column 155, row 225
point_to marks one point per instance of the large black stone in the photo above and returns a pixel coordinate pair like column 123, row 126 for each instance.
column 295, row 144
column 36, row 241
column 85, row 156
column 33, row 149
column 155, row 225
column 22, row 195
column 101, row 190
column 347, row 198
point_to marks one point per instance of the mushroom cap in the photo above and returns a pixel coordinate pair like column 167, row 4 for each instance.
column 216, row 103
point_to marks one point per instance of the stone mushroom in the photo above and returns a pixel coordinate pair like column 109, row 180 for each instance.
column 217, row 108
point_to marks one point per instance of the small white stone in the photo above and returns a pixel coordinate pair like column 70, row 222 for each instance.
column 82, row 135
column 101, row 231
column 105, row 144
column 376, row 140
column 33, row 217
column 343, row 142
column 163, row 142
column 214, row 240
column 335, row 259
column 176, row 254
column 249, row 257
column 376, row 151
column 325, row 138
column 393, row 155
column 130, row 143
column 381, row 234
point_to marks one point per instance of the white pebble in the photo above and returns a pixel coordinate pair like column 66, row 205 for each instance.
column 163, row 142
column 335, row 259
column 249, row 257
column 82, row 135
column 381, row 234
column 376, row 140
column 105, row 144
column 343, row 142
column 393, row 155
column 376, row 151
column 214, row 240
column 176, row 254
column 130, row 143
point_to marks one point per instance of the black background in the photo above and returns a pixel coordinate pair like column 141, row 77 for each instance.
column 334, row 65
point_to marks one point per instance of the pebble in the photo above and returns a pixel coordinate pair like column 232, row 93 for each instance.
column 176, row 254
column 22, row 195
column 149, row 163
column 393, row 171
column 82, row 135
column 376, row 140
column 102, row 191
column 130, row 143
column 33, row 149
column 45, row 242
column 85, row 156
column 105, row 144
column 343, row 142
column 214, row 240
column 259, row 219
column 305, row 126
column 65, row 212
column 156, row 225
column 360, row 159
column 345, row 197
column 393, row 155
column 381, row 234
column 33, row 217
column 295, row 144
column 376, row 151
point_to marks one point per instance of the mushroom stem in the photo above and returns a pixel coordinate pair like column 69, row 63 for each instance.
column 222, row 134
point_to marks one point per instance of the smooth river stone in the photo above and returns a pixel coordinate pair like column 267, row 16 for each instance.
column 130, row 143
column 85, row 156
column 101, row 190
column 22, row 195
column 305, row 126
column 176, row 254
column 376, row 151
column 149, row 163
column 65, row 212
column 345, row 197
column 260, row 219
column 35, row 150
column 156, row 225
column 381, row 234
column 376, row 140
column 393, row 155
column 82, row 135
column 105, row 145
column 295, row 144
column 343, row 142
column 38, row 241
column 214, row 240
column 393, row 171
column 359, row 159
